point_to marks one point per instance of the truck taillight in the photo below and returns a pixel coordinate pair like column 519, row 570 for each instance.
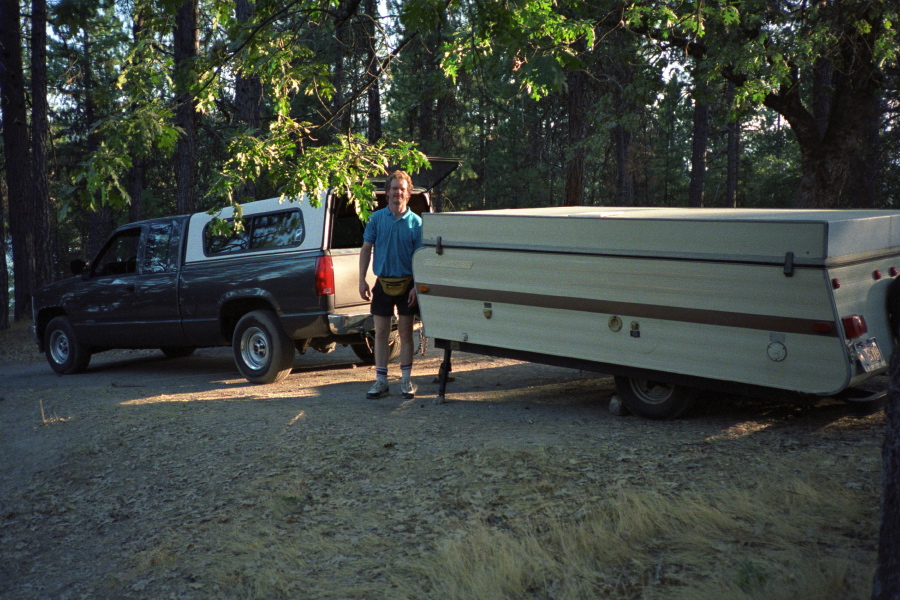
column 854, row 326
column 324, row 276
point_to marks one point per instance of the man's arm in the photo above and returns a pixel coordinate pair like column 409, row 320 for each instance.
column 365, row 257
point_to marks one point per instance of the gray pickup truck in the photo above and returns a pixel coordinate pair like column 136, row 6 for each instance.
column 287, row 281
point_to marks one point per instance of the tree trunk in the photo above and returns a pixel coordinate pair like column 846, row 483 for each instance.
column 575, row 100
column 187, row 49
column 40, row 133
column 373, row 94
column 15, row 151
column 134, row 182
column 886, row 585
column 4, row 271
column 624, row 167
column 733, row 152
column 248, row 96
column 698, row 151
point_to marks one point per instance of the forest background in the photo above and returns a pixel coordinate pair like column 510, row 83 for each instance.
column 114, row 111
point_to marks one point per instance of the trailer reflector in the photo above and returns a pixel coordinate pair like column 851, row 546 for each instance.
column 822, row 327
column 835, row 283
column 876, row 274
column 854, row 326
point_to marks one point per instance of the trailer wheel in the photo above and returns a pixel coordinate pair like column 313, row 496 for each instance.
column 262, row 350
column 365, row 351
column 654, row 399
column 64, row 352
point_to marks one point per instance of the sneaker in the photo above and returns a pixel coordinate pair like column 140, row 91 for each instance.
column 408, row 389
column 379, row 389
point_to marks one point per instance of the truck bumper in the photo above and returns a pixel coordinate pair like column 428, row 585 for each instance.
column 349, row 324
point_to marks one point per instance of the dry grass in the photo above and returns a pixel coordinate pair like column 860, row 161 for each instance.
column 782, row 540
column 779, row 538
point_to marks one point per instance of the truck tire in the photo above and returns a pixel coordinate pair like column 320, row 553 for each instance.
column 893, row 308
column 263, row 352
column 64, row 352
column 654, row 399
column 366, row 350
column 177, row 351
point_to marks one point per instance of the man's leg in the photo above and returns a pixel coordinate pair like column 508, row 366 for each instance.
column 382, row 337
column 405, row 330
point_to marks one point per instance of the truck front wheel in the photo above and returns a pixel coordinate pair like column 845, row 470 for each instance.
column 263, row 352
column 64, row 352
column 654, row 399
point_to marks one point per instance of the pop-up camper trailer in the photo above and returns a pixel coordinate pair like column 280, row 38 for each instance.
column 669, row 300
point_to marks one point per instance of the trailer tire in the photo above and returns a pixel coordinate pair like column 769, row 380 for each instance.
column 893, row 308
column 263, row 352
column 654, row 399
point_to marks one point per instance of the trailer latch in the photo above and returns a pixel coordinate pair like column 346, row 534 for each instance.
column 789, row 264
column 438, row 247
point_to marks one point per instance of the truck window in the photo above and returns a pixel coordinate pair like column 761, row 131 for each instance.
column 161, row 251
column 274, row 230
column 120, row 255
column 347, row 231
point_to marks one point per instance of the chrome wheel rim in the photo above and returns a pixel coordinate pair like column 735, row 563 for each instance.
column 255, row 348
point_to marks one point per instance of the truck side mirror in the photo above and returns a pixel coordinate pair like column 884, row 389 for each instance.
column 77, row 266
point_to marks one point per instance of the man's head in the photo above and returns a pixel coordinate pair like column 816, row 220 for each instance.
column 398, row 187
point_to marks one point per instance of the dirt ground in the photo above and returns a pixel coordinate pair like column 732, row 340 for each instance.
column 138, row 477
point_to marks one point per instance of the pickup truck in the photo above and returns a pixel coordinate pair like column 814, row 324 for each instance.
column 286, row 281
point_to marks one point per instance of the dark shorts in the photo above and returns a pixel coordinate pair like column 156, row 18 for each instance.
column 383, row 304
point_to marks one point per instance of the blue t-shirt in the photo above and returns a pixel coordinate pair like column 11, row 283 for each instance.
column 394, row 240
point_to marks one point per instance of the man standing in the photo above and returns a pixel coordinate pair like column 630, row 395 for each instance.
column 394, row 233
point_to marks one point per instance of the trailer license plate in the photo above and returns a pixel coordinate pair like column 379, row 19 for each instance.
column 870, row 356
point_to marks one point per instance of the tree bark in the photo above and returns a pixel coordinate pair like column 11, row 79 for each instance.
column 733, row 152
column 16, row 154
column 698, row 150
column 187, row 48
column 4, row 271
column 40, row 133
column 373, row 94
column 624, row 166
column 575, row 100
column 886, row 585
column 248, row 96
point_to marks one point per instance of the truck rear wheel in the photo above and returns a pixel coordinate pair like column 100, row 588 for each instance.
column 263, row 352
column 654, row 399
column 366, row 350
column 64, row 352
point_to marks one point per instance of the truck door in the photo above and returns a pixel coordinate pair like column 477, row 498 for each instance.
column 130, row 296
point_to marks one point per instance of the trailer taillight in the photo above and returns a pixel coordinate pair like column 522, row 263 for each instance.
column 324, row 276
column 854, row 326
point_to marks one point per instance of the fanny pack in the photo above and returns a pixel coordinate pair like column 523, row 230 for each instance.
column 395, row 286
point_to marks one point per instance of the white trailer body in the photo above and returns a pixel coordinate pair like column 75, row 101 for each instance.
column 760, row 300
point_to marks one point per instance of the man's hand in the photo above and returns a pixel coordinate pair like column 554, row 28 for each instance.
column 411, row 301
column 365, row 292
